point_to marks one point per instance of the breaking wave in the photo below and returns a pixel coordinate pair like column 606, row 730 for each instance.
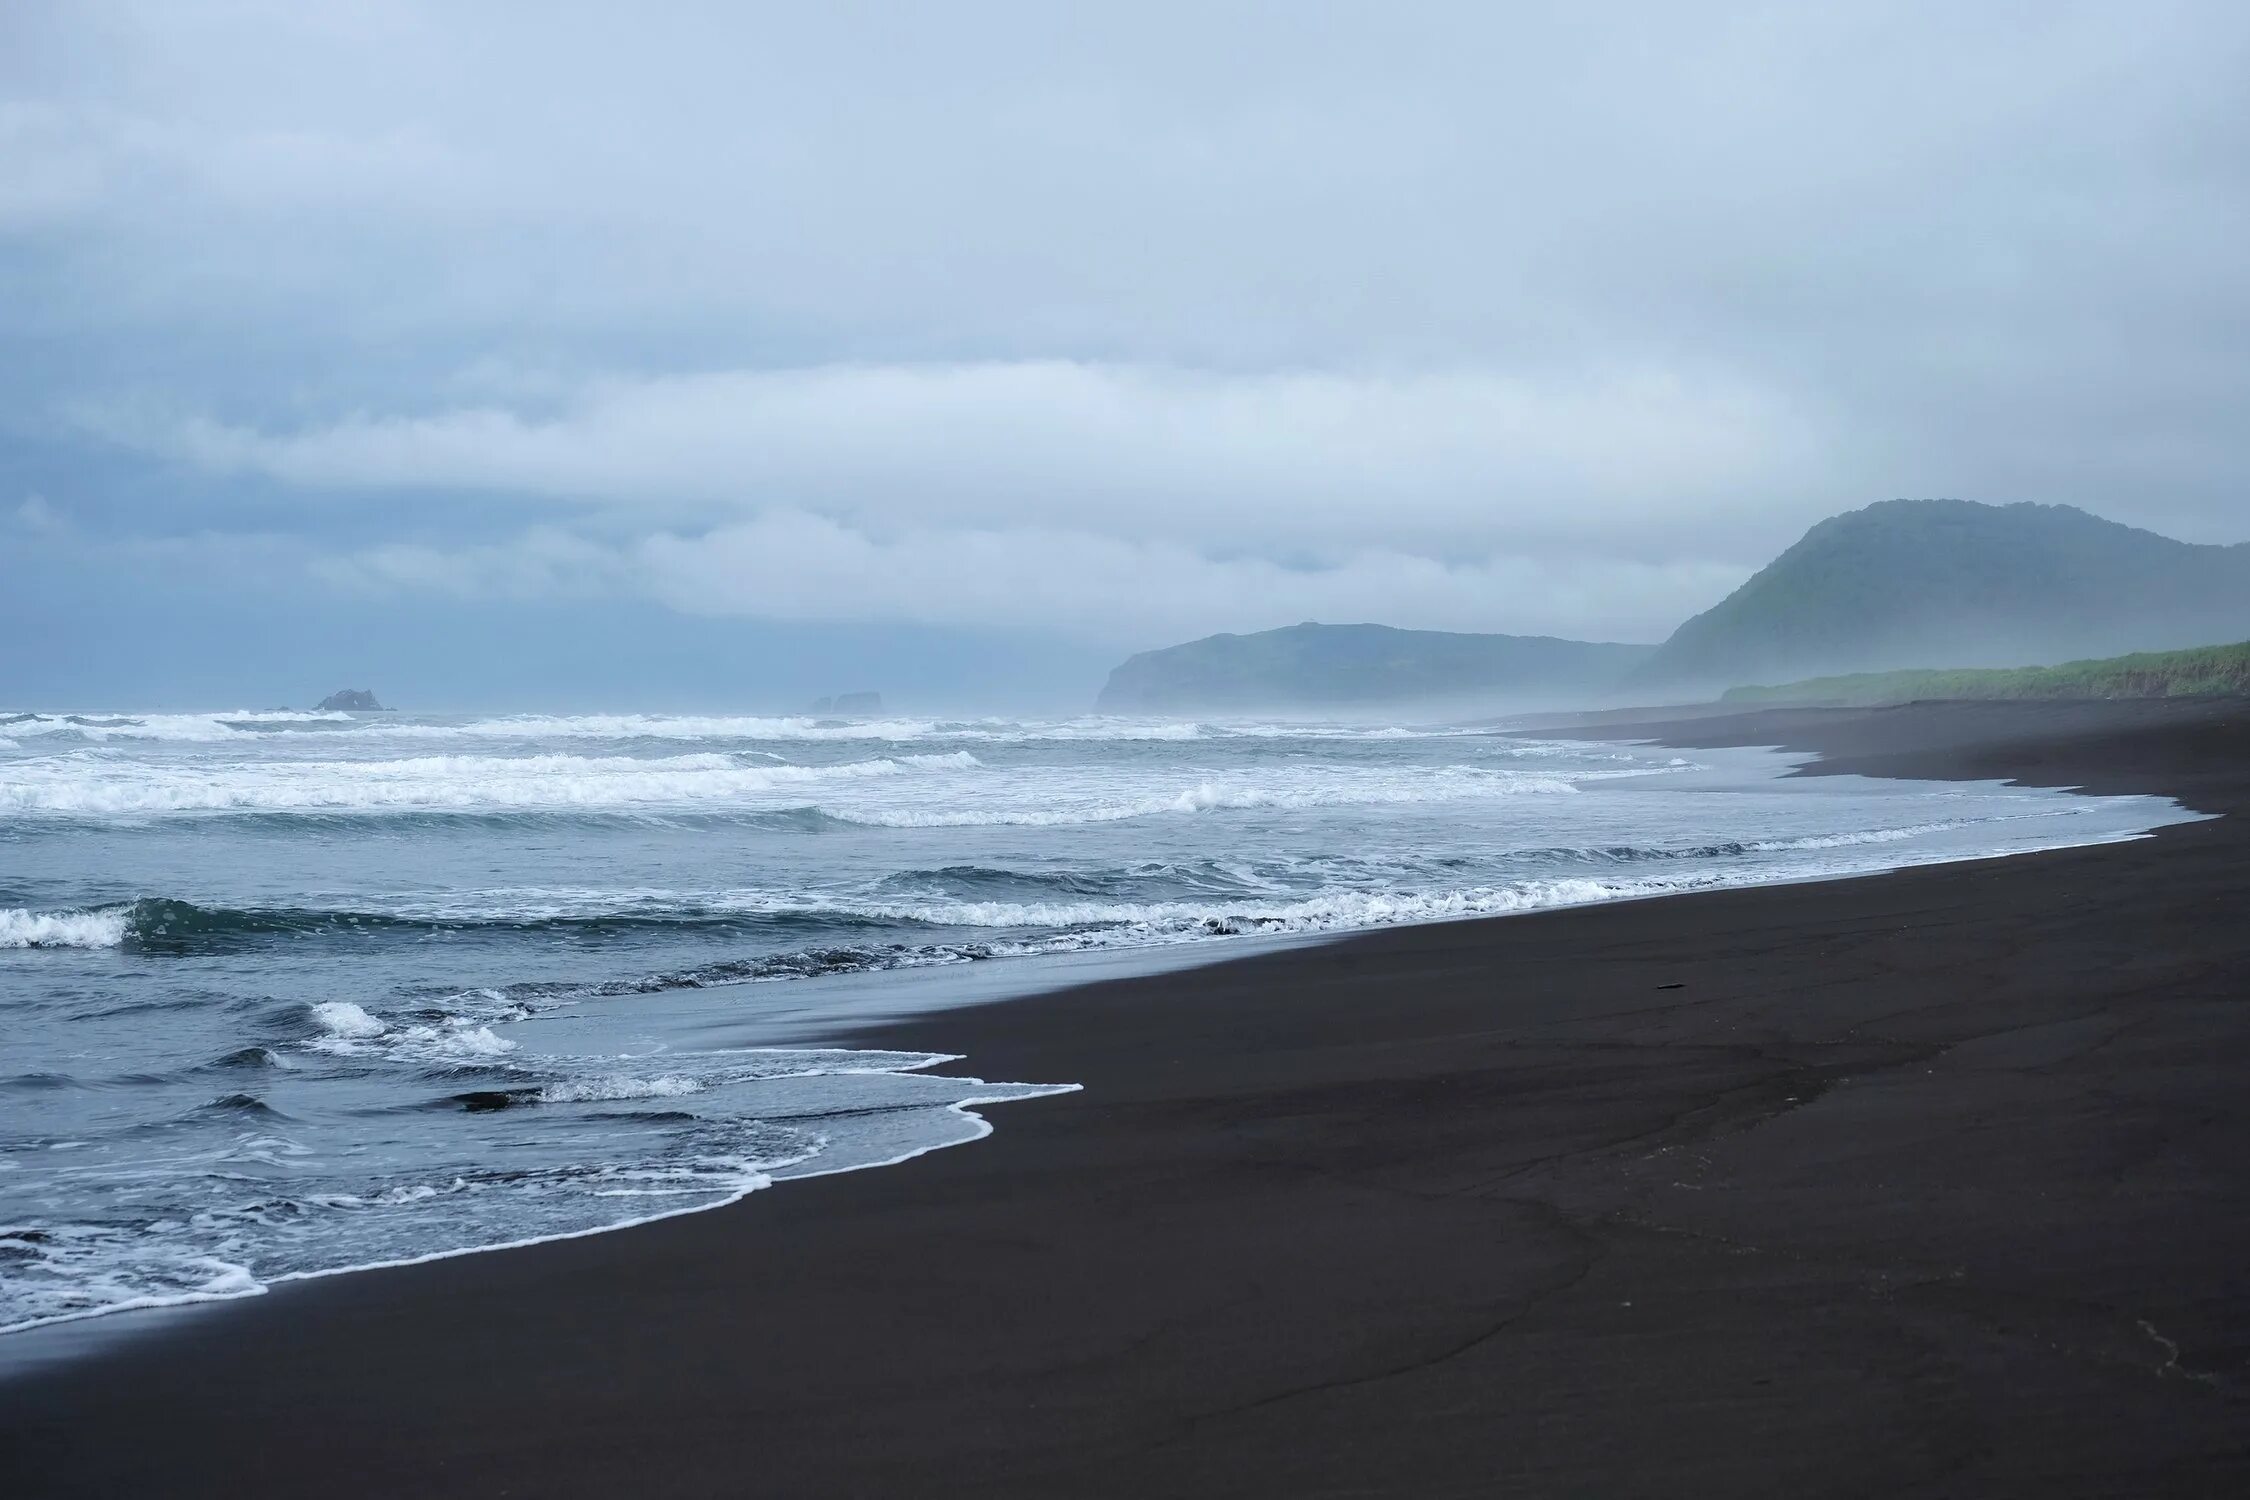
column 239, row 724
column 101, row 927
column 187, row 728
column 1145, row 902
column 1214, row 796
column 939, row 789
column 434, row 783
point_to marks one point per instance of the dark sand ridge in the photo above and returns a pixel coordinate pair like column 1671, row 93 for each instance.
column 1928, row 1183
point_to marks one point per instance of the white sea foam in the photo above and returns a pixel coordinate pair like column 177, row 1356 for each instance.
column 1318, row 912
column 210, row 1248
column 804, row 727
column 1281, row 789
column 619, row 1086
column 102, row 927
column 928, row 790
column 895, row 729
column 1858, row 837
column 440, row 783
column 1108, row 924
column 251, row 725
column 348, row 1029
column 459, row 1038
column 341, row 1018
column 783, row 727
column 188, row 728
column 672, row 727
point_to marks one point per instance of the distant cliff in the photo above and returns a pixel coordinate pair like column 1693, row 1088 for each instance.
column 1950, row 583
column 1324, row 667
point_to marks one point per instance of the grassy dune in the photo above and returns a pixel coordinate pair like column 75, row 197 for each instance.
column 2199, row 671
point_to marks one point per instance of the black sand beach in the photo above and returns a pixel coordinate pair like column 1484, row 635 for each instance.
column 1934, row 1183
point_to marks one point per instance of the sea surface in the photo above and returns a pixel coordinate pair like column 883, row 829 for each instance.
column 289, row 994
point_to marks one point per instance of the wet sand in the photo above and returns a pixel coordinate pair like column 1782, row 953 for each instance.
column 1929, row 1183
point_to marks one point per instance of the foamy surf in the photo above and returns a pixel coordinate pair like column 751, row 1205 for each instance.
column 455, row 783
column 104, row 928
column 311, row 1212
column 239, row 725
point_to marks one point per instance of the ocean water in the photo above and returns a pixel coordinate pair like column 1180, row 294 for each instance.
column 291, row 994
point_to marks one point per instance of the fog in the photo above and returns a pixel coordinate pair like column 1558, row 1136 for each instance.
column 498, row 353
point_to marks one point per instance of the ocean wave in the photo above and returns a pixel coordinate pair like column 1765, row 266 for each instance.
column 951, row 895
column 238, row 724
column 1316, row 912
column 898, row 730
column 98, row 927
column 345, row 1020
column 924, row 790
column 615, row 1087
column 224, row 726
column 472, row 783
column 1048, row 928
column 161, row 925
column 786, row 727
column 1449, row 784
column 347, row 1029
column 202, row 728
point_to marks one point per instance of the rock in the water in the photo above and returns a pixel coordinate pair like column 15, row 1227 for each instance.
column 351, row 701
column 848, row 704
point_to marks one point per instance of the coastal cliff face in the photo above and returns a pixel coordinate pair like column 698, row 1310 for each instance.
column 1315, row 666
column 1951, row 583
column 351, row 701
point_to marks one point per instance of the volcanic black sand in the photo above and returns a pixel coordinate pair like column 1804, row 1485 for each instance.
column 1933, row 1183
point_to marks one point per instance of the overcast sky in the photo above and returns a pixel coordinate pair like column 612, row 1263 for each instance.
column 684, row 351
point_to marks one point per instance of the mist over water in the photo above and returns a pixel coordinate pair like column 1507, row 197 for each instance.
column 287, row 994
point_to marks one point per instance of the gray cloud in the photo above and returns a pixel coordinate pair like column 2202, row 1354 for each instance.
column 797, row 566
column 1512, row 317
column 1447, row 461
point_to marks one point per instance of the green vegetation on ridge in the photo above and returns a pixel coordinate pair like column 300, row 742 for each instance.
column 1909, row 581
column 2199, row 671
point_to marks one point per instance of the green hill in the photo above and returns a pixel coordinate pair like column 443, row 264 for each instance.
column 1912, row 581
column 2202, row 671
column 1322, row 667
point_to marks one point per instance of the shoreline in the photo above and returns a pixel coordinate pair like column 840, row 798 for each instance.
column 1362, row 1095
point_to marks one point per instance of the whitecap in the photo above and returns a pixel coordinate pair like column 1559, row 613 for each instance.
column 442, row 783
column 618, row 1086
column 341, row 1018
column 101, row 927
